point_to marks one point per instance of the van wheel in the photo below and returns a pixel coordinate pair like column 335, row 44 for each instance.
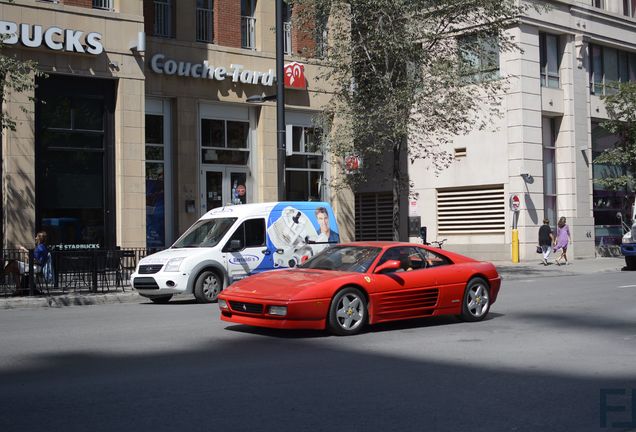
column 630, row 262
column 161, row 299
column 207, row 287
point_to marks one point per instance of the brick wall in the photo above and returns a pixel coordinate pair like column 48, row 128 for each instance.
column 303, row 41
column 80, row 3
column 227, row 23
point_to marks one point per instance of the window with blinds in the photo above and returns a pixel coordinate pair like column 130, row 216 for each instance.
column 374, row 216
column 471, row 210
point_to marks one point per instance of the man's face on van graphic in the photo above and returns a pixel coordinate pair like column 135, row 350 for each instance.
column 323, row 221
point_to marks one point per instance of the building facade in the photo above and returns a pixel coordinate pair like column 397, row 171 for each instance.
column 141, row 123
column 206, row 146
column 74, row 164
column 543, row 146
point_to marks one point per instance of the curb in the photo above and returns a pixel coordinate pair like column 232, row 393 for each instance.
column 68, row 300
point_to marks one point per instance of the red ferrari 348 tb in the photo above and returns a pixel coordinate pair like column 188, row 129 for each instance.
column 348, row 286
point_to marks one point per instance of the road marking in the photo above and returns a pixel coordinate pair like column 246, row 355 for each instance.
column 627, row 286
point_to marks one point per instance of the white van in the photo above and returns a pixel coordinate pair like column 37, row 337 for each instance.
column 232, row 242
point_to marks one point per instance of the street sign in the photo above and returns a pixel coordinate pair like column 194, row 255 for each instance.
column 515, row 202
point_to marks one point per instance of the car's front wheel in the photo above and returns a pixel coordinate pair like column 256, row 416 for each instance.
column 630, row 262
column 476, row 302
column 348, row 312
column 207, row 287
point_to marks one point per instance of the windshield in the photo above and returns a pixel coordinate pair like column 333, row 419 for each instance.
column 344, row 258
column 205, row 233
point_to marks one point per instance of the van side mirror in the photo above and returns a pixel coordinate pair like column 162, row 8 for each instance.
column 236, row 245
column 389, row 265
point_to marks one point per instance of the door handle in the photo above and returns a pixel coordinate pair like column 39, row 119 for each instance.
column 266, row 252
column 280, row 251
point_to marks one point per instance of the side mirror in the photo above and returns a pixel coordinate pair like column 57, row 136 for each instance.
column 389, row 265
column 236, row 245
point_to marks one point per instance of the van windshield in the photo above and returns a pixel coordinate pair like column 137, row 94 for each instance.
column 205, row 233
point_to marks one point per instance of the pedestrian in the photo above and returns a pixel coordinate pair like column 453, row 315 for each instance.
column 562, row 240
column 40, row 256
column 546, row 239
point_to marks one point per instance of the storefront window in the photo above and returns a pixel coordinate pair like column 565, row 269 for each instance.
column 607, row 204
column 224, row 142
column 549, row 131
column 155, row 183
column 303, row 168
column 74, row 197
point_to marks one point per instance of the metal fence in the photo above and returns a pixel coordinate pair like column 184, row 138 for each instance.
column 248, row 32
column 77, row 271
column 163, row 18
column 205, row 25
column 287, row 37
column 103, row 4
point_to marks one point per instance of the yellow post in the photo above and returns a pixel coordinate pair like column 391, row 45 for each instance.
column 515, row 246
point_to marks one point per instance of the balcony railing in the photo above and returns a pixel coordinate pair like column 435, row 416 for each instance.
column 287, row 38
column 163, row 19
column 205, row 25
column 103, row 4
column 248, row 32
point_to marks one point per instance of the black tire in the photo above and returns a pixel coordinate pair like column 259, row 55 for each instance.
column 207, row 287
column 164, row 299
column 348, row 312
column 476, row 301
column 630, row 262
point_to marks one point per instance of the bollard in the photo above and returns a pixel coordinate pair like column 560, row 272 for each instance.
column 515, row 246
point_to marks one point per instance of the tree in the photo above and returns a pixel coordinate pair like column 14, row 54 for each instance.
column 621, row 110
column 408, row 72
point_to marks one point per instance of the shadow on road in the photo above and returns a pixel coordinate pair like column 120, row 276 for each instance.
column 300, row 383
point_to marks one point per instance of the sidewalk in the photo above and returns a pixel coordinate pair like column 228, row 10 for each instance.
column 535, row 269
column 508, row 270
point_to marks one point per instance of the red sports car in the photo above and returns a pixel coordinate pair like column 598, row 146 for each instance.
column 350, row 285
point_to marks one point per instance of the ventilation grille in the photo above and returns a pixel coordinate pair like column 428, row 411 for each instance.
column 374, row 216
column 461, row 211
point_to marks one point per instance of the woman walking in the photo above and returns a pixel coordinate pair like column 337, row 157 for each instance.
column 563, row 238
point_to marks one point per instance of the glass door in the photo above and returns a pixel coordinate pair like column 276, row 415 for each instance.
column 223, row 186
column 213, row 190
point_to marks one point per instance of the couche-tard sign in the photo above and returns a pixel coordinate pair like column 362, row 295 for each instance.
column 294, row 72
column 236, row 72
column 54, row 38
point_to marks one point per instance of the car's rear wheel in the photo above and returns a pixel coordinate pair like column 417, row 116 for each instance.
column 348, row 312
column 476, row 302
column 630, row 262
column 207, row 287
column 161, row 299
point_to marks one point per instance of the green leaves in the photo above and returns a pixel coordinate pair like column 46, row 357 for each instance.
column 621, row 110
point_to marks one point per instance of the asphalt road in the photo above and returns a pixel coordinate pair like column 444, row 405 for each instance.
column 539, row 363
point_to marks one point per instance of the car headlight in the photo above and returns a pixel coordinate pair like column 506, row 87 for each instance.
column 277, row 310
column 627, row 238
column 222, row 304
column 173, row 264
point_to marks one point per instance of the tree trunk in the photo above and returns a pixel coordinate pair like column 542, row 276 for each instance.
column 397, row 189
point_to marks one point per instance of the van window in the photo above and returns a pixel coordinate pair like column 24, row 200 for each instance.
column 205, row 233
column 251, row 233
